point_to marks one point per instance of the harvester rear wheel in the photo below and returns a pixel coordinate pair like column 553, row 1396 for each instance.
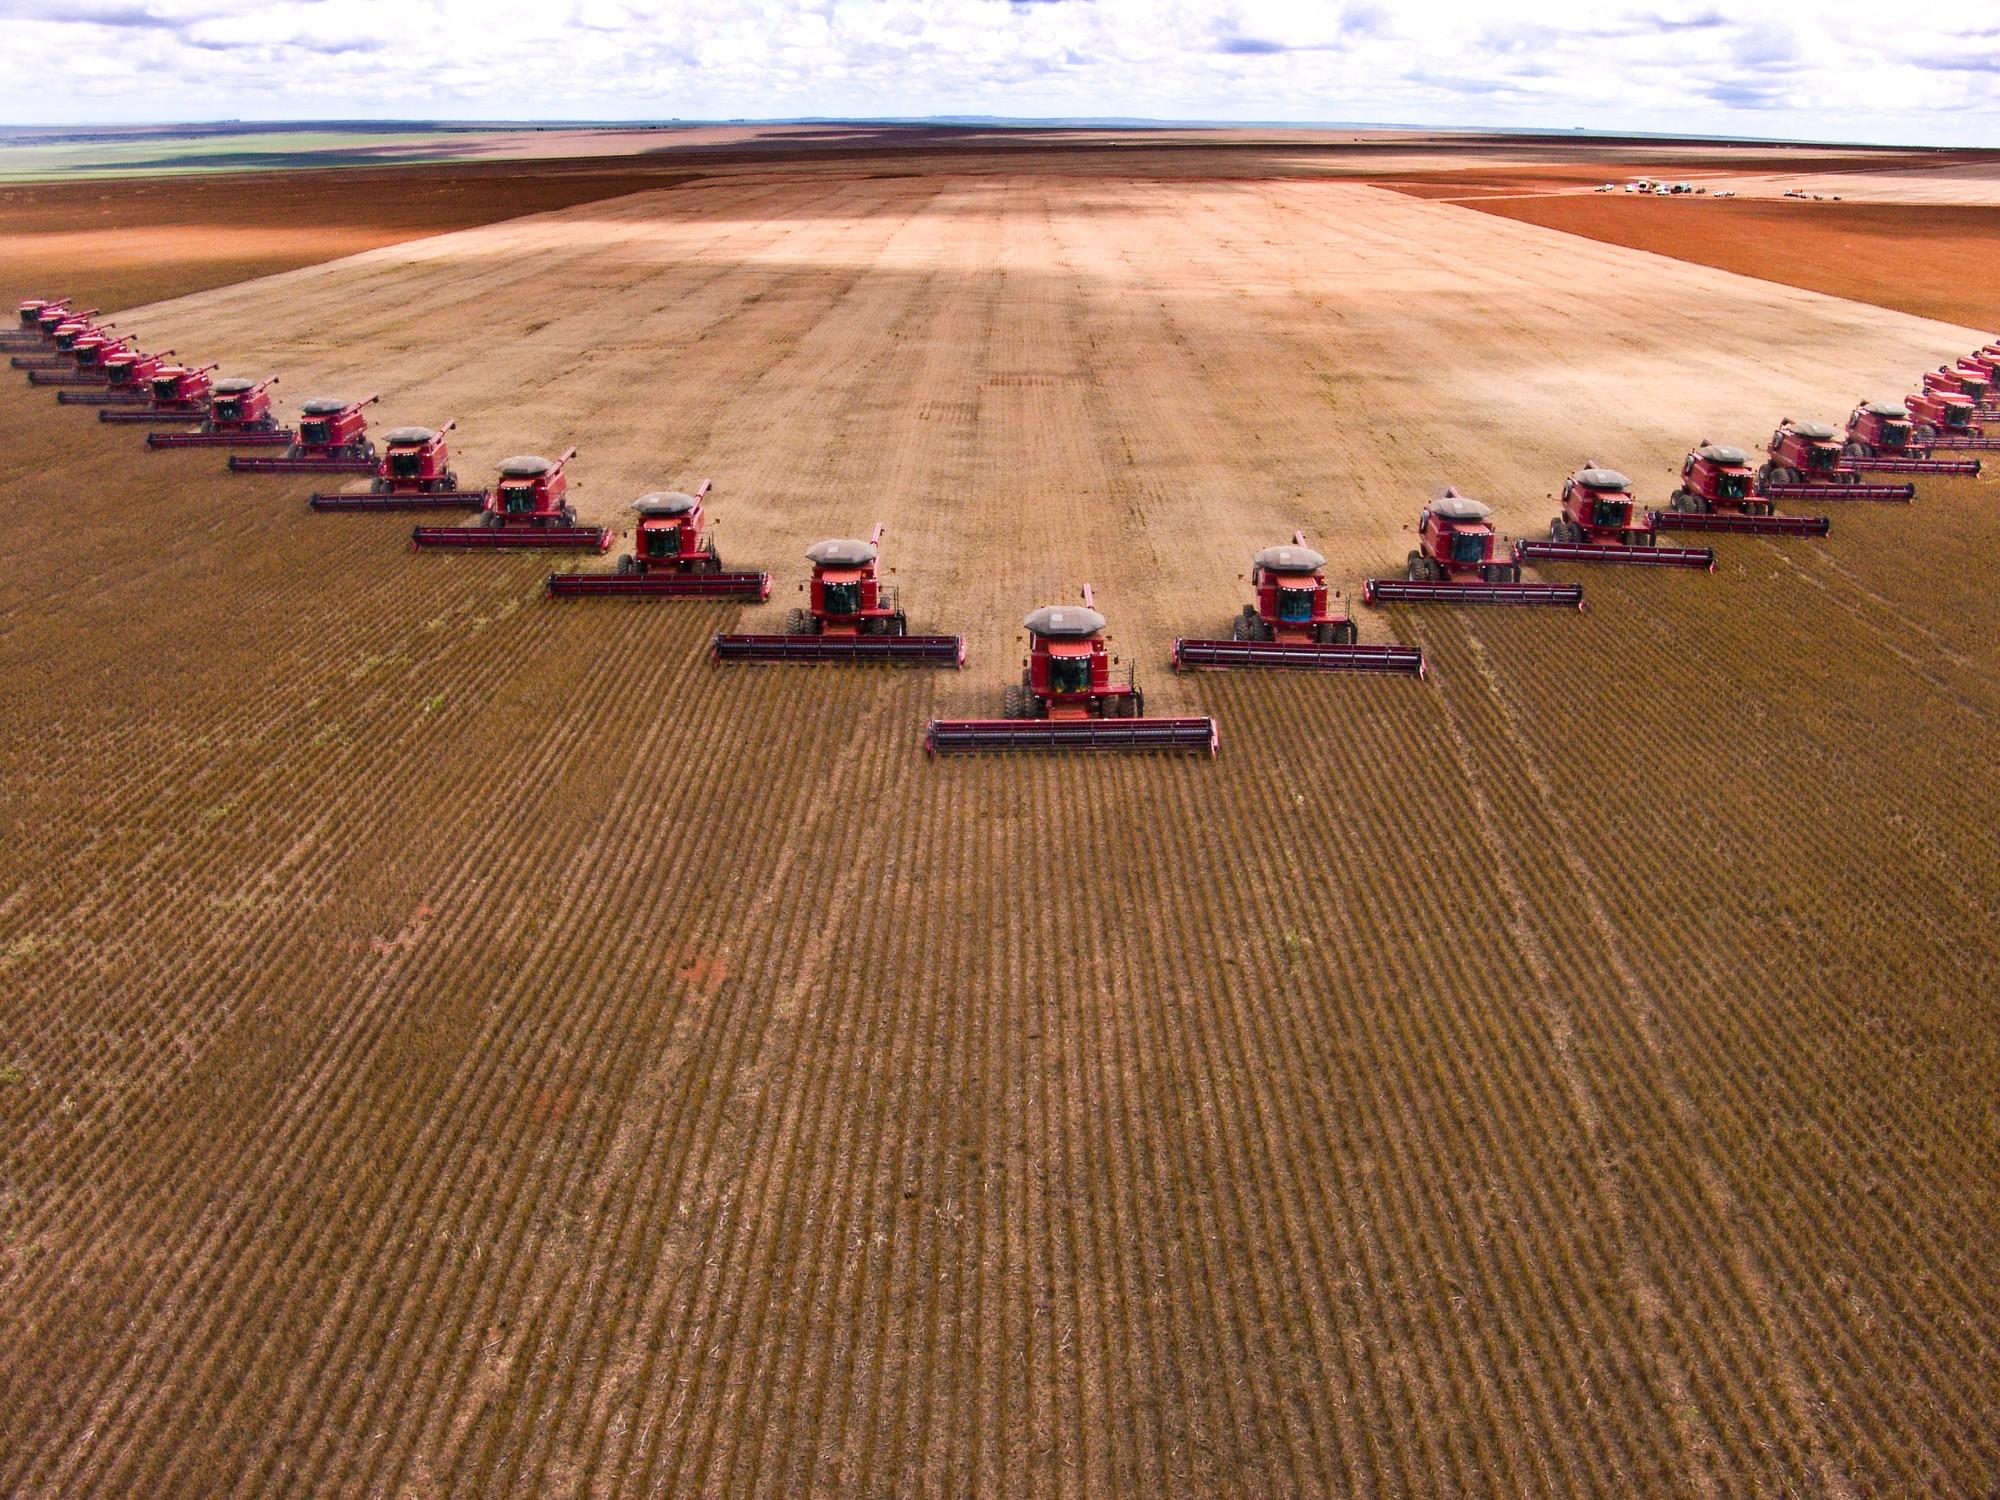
column 1135, row 705
column 898, row 623
column 710, row 560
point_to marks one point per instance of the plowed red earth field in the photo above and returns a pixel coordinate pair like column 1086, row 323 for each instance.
column 458, row 1043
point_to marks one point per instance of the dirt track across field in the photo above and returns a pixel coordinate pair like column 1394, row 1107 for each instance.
column 460, row 1043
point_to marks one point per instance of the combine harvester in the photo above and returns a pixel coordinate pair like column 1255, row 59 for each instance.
column 528, row 507
column 1293, row 624
column 239, row 416
column 1067, row 698
column 1718, row 493
column 852, row 617
column 672, row 558
column 128, row 380
column 61, row 342
column 1881, row 439
column 415, row 474
column 1966, row 379
column 88, row 356
column 174, row 393
column 1944, row 420
column 28, row 333
column 1597, row 525
column 1455, row 564
column 1805, row 462
column 332, row 439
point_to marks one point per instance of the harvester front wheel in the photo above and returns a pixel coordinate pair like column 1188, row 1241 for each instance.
column 1014, row 702
column 798, row 622
column 1855, row 450
column 1416, row 569
column 1924, row 435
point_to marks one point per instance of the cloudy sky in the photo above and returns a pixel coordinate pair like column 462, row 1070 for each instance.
column 1830, row 70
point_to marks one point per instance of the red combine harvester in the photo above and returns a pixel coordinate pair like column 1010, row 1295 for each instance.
column 1963, row 379
column 1597, row 524
column 1944, row 420
column 128, row 380
column 1718, row 493
column 88, row 361
column 1293, row 624
column 1455, row 564
column 28, row 334
column 1881, row 439
column 333, row 439
column 1806, row 462
column 528, row 507
column 239, row 416
column 1070, row 698
column 852, row 617
column 414, row 474
column 672, row 558
column 174, row 392
column 62, row 341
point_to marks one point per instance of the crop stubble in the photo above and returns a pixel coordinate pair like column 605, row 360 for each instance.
column 469, row 1044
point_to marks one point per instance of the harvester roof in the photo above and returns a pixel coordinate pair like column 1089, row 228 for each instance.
column 525, row 466
column 841, row 552
column 1461, row 508
column 401, row 435
column 1813, row 432
column 1289, row 559
column 235, row 385
column 1602, row 479
column 1890, row 410
column 665, row 503
column 1064, row 621
column 323, row 406
column 1723, row 454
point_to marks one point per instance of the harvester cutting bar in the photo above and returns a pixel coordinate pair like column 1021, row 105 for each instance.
column 34, row 363
column 1688, row 520
column 1943, row 468
column 105, row 396
column 957, row 736
column 1946, row 443
column 153, row 414
column 56, row 375
column 260, row 464
column 1192, row 655
column 899, row 650
column 1640, row 557
column 432, row 500
column 491, row 538
column 740, row 585
column 274, row 437
column 1894, row 493
column 1402, row 591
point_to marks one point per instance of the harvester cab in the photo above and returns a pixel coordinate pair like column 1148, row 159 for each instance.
column 332, row 428
column 1878, row 429
column 70, row 330
column 1598, row 524
column 532, row 492
column 670, row 538
column 1454, row 563
column 239, row 404
column 1071, row 696
column 846, row 596
column 1294, row 623
column 1800, row 453
column 92, row 349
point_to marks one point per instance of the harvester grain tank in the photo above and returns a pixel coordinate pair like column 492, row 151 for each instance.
column 1456, row 562
column 1599, row 523
column 1071, row 697
column 332, row 439
column 239, row 416
column 850, row 616
column 174, row 393
column 1882, row 439
column 1719, row 493
column 1805, row 461
column 414, row 473
column 1294, row 621
column 88, row 356
column 672, row 557
column 527, row 507
column 128, row 380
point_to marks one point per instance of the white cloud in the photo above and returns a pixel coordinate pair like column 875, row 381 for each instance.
column 1840, row 70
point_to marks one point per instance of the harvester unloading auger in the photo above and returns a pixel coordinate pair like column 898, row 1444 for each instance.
column 1070, row 698
column 528, row 507
column 851, row 617
column 239, row 416
column 332, row 439
column 1882, row 438
column 128, row 380
column 1454, row 563
column 1598, row 524
column 1294, row 623
column 1718, row 493
column 672, row 558
column 1806, row 463
column 415, row 473
column 175, row 393
column 88, row 362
